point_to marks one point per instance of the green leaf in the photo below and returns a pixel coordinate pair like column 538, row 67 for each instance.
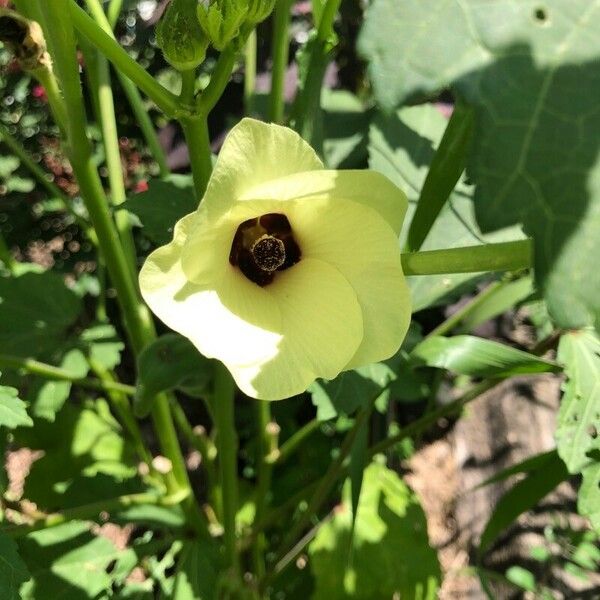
column 402, row 146
column 390, row 547
column 197, row 572
column 521, row 577
column 578, row 428
column 13, row 571
column 36, row 312
column 48, row 397
column 531, row 78
column 83, row 443
column 477, row 357
column 67, row 561
column 523, row 496
column 168, row 363
column 12, row 409
column 102, row 345
column 162, row 205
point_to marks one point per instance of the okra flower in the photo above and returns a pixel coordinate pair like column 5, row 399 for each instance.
column 286, row 272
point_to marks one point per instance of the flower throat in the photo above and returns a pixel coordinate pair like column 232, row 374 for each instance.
column 262, row 246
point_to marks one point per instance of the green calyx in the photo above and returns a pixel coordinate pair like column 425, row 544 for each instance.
column 180, row 37
column 259, row 10
column 221, row 20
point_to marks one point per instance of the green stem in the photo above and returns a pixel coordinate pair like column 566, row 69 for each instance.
column 199, row 442
column 5, row 255
column 279, row 52
column 87, row 27
column 133, row 96
column 110, row 136
column 451, row 322
column 88, row 512
column 294, row 441
column 188, row 86
column 445, row 170
column 48, row 82
column 308, row 101
column 263, row 481
column 227, row 445
column 249, row 71
column 505, row 256
column 58, row 27
column 35, row 367
column 432, row 417
column 122, row 407
column 330, row 478
column 17, row 149
column 195, row 131
column 218, row 81
column 113, row 12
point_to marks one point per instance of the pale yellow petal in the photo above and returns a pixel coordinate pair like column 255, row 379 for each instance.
column 364, row 187
column 235, row 321
column 322, row 326
column 254, row 153
column 363, row 248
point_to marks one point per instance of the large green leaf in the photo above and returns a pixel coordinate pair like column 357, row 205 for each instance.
column 13, row 571
column 170, row 362
column 401, row 146
column 588, row 502
column 530, row 70
column 12, row 409
column 391, row 553
column 578, row 429
column 36, row 312
column 82, row 446
column 67, row 562
column 477, row 357
column 162, row 205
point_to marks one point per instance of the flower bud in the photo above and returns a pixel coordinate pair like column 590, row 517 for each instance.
column 180, row 36
column 25, row 39
column 221, row 20
column 259, row 10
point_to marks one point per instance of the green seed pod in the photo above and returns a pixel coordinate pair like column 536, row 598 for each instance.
column 259, row 10
column 221, row 20
column 25, row 39
column 180, row 36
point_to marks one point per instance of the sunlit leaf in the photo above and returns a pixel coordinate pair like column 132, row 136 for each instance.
column 12, row 409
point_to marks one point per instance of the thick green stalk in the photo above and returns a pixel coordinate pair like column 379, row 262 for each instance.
column 505, row 256
column 445, row 170
column 195, row 131
column 113, row 12
column 5, row 256
column 263, row 480
column 87, row 27
column 110, row 137
column 305, row 112
column 35, row 367
column 249, row 70
column 57, row 25
column 227, row 445
column 188, row 86
column 279, row 53
column 133, row 96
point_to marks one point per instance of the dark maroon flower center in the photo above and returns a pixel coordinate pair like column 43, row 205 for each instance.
column 262, row 246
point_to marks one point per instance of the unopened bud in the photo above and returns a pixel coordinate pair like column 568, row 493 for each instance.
column 25, row 39
column 221, row 20
column 180, row 36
